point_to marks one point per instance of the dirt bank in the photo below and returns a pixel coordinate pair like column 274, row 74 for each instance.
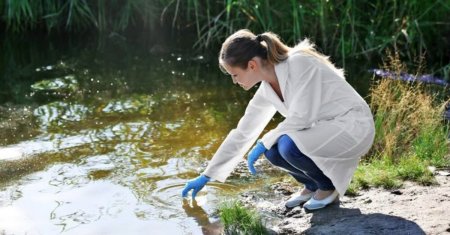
column 413, row 209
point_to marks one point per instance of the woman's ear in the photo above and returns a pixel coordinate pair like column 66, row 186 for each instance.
column 252, row 64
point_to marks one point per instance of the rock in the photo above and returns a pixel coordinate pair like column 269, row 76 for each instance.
column 443, row 173
column 296, row 212
column 432, row 169
column 397, row 192
column 283, row 189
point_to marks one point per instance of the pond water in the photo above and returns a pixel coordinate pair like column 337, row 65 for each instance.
column 102, row 141
column 96, row 142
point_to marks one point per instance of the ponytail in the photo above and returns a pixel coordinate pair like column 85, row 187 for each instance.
column 243, row 45
column 277, row 51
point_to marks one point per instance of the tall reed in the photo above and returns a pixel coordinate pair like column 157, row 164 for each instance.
column 344, row 29
column 79, row 15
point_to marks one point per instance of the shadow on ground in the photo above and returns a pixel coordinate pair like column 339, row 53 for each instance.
column 338, row 220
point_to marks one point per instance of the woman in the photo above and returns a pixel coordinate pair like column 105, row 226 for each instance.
column 327, row 125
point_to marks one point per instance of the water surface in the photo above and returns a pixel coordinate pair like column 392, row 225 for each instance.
column 97, row 142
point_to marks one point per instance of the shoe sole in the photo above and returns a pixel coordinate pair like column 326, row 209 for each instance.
column 299, row 204
column 317, row 208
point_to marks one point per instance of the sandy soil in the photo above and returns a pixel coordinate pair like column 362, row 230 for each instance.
column 413, row 209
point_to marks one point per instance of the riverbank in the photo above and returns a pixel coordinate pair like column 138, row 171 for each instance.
column 411, row 209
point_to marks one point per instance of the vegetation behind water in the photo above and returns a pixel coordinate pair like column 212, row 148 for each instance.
column 346, row 30
column 411, row 135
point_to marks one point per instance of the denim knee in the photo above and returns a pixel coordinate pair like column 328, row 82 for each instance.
column 286, row 146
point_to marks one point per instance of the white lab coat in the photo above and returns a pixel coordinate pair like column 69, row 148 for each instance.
column 325, row 117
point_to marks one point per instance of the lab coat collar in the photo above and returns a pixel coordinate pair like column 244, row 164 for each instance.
column 281, row 70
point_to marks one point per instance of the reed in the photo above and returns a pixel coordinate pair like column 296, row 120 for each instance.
column 343, row 29
column 79, row 15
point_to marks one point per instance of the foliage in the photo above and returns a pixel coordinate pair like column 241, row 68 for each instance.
column 78, row 15
column 410, row 133
column 408, row 119
column 344, row 29
column 239, row 220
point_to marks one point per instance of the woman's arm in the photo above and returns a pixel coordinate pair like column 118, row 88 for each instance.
column 257, row 115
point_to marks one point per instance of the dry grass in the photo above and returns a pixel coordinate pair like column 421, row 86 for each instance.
column 410, row 133
column 404, row 112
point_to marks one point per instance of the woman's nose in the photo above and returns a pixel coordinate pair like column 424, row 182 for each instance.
column 234, row 80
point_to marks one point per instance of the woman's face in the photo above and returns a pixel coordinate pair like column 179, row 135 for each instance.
column 246, row 78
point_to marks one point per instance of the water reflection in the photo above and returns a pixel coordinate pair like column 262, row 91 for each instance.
column 112, row 155
column 97, row 207
column 192, row 209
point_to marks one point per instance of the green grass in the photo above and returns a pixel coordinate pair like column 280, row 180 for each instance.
column 410, row 134
column 377, row 173
column 239, row 220
column 431, row 145
column 385, row 174
column 79, row 15
column 344, row 29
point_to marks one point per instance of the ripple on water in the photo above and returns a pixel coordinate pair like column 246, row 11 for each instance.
column 98, row 167
column 168, row 194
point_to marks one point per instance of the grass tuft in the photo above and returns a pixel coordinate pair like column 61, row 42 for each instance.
column 239, row 220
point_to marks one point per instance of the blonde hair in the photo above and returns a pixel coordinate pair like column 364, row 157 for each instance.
column 243, row 45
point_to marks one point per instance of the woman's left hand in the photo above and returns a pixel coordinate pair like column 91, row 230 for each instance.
column 254, row 155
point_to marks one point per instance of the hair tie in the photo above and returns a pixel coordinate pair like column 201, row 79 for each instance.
column 259, row 38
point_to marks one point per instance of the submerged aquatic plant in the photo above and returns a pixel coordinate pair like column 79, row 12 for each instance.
column 61, row 84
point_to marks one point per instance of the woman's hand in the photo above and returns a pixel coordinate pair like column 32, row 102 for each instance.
column 254, row 155
column 195, row 185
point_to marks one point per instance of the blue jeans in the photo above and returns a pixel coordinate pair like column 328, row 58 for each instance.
column 286, row 155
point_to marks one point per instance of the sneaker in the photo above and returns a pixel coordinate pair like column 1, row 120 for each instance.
column 314, row 204
column 297, row 199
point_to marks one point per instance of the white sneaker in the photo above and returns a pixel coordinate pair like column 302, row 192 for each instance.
column 314, row 204
column 297, row 199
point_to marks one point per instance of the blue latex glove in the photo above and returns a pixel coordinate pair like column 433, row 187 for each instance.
column 254, row 155
column 196, row 185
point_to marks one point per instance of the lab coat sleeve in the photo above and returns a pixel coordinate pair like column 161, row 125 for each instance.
column 305, row 77
column 257, row 115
